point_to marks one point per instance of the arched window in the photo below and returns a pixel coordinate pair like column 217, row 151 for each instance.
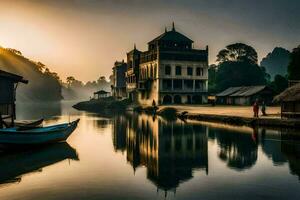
column 177, row 99
column 197, row 99
column 188, row 99
column 151, row 71
column 167, row 99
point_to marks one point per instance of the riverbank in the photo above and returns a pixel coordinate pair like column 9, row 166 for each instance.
column 246, row 121
column 237, row 111
column 235, row 115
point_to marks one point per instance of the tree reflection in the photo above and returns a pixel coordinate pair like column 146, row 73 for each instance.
column 282, row 147
column 292, row 152
column 238, row 150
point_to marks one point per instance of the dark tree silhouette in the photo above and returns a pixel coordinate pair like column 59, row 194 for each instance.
column 231, row 74
column 276, row 62
column 238, row 52
column 44, row 85
column 294, row 66
column 212, row 76
column 238, row 67
column 279, row 84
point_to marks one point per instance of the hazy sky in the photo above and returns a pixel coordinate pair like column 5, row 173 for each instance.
column 83, row 38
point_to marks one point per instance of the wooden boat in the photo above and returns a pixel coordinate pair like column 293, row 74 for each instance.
column 37, row 135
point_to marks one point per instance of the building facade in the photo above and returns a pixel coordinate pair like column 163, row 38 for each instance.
column 119, row 80
column 132, row 73
column 171, row 71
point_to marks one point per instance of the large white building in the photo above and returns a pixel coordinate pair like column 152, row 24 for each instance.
column 171, row 71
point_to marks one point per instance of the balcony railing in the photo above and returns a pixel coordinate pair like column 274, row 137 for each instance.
column 182, row 90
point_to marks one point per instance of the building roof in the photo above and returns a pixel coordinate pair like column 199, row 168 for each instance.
column 248, row 91
column 243, row 91
column 228, row 91
column 134, row 50
column 13, row 77
column 290, row 94
column 172, row 35
column 119, row 64
column 101, row 92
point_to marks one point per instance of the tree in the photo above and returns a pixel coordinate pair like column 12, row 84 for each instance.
column 238, row 67
column 212, row 76
column 294, row 65
column 15, row 51
column 70, row 80
column 40, row 66
column 231, row 74
column 276, row 62
column 279, row 84
column 238, row 52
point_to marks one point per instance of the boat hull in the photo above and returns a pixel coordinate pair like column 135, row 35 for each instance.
column 37, row 136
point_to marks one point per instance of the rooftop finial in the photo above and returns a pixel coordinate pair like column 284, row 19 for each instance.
column 173, row 26
column 134, row 46
column 166, row 30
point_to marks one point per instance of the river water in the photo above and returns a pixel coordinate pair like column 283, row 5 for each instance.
column 143, row 157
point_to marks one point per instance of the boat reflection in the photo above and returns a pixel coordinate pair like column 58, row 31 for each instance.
column 171, row 151
column 16, row 164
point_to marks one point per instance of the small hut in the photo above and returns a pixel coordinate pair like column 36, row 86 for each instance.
column 101, row 94
column 290, row 102
column 8, row 86
column 245, row 95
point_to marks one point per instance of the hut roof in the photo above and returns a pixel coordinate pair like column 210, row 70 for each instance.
column 248, row 91
column 290, row 94
column 243, row 91
column 101, row 92
column 15, row 78
column 228, row 91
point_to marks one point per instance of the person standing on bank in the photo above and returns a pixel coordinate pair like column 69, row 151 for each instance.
column 255, row 108
column 263, row 109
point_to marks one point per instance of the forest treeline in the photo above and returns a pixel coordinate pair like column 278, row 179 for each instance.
column 45, row 85
column 237, row 65
column 75, row 89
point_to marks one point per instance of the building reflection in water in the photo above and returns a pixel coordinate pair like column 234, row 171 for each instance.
column 169, row 150
column 172, row 150
column 16, row 164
